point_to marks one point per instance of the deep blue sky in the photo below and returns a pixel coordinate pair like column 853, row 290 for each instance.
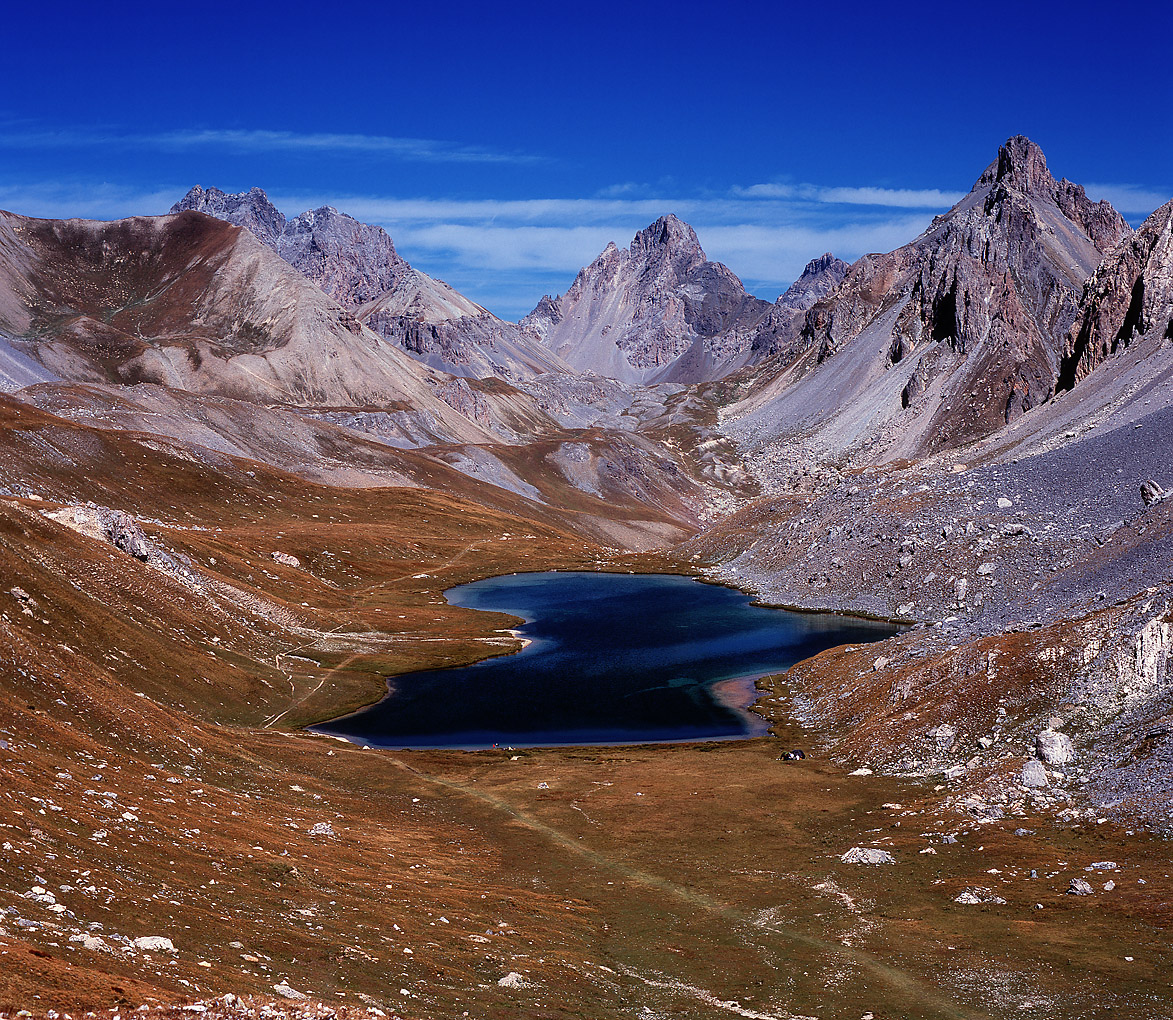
column 504, row 144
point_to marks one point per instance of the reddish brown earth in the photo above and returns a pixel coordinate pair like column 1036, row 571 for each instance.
column 689, row 880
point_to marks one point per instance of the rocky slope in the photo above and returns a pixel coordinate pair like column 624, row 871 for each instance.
column 658, row 311
column 191, row 302
column 951, row 337
column 356, row 264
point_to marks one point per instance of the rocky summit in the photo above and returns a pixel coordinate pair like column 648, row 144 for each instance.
column 244, row 457
column 657, row 311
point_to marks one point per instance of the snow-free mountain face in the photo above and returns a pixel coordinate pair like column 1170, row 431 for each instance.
column 351, row 261
column 356, row 264
column 194, row 303
column 953, row 336
column 658, row 311
column 778, row 331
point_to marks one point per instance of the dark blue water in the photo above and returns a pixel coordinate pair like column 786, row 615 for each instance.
column 614, row 658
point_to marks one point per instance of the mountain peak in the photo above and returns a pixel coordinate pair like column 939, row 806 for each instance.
column 1020, row 165
column 250, row 209
column 671, row 234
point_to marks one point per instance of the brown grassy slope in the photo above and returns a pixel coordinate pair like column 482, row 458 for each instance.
column 672, row 879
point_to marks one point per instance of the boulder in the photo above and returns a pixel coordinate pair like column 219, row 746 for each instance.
column 286, row 992
column 154, row 944
column 867, row 855
column 1054, row 748
column 976, row 895
column 1079, row 887
column 1034, row 774
column 944, row 736
column 1151, row 492
column 123, row 532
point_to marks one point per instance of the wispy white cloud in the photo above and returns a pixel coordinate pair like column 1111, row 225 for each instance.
column 429, row 150
column 98, row 200
column 899, row 198
column 541, row 243
column 1129, row 198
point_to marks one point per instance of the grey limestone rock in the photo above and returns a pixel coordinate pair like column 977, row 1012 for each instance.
column 1054, row 748
column 1151, row 492
column 351, row 261
column 867, row 855
column 1034, row 774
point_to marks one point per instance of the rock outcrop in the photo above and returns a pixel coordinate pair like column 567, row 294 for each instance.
column 1129, row 297
column 658, row 311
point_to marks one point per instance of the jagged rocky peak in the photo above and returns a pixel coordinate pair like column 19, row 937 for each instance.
column 249, row 209
column 959, row 332
column 818, row 279
column 778, row 335
column 657, row 311
column 1022, row 167
column 669, row 237
column 353, row 262
column 1129, row 298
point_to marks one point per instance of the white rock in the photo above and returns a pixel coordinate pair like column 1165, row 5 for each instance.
column 154, row 944
column 1004, row 503
column 944, row 736
column 867, row 855
column 286, row 992
column 513, row 980
column 322, row 829
column 1054, row 748
column 978, row 895
column 1034, row 775
column 861, row 772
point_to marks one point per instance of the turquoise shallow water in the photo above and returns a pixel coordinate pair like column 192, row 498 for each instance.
column 614, row 658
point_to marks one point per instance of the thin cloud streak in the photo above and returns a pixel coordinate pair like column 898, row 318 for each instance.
column 1129, row 198
column 899, row 198
column 258, row 141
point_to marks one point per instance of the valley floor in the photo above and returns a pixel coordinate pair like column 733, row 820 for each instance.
column 153, row 789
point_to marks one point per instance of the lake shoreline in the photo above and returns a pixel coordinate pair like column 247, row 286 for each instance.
column 655, row 679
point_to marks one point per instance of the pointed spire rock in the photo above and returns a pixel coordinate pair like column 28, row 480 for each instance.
column 1022, row 165
column 658, row 311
